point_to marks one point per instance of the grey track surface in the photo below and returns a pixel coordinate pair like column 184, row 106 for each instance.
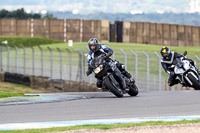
column 104, row 105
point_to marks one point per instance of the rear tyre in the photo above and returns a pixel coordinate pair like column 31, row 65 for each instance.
column 113, row 88
column 133, row 91
column 196, row 83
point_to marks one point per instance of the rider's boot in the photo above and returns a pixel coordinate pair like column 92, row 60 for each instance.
column 174, row 82
column 99, row 83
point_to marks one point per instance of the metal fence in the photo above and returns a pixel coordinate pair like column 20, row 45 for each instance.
column 66, row 64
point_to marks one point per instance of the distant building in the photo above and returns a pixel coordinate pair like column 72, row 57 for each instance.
column 195, row 6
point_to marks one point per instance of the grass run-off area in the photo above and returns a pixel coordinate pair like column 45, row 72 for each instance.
column 10, row 90
column 102, row 126
column 27, row 41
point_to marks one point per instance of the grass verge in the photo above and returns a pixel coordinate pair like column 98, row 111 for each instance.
column 27, row 41
column 10, row 90
column 10, row 94
column 103, row 127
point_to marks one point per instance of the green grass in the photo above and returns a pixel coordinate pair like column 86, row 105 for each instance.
column 127, row 47
column 10, row 94
column 27, row 41
column 103, row 127
column 10, row 90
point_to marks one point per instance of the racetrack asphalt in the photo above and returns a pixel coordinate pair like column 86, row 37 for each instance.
column 101, row 105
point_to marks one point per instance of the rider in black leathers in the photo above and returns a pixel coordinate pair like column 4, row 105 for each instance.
column 167, row 60
column 96, row 50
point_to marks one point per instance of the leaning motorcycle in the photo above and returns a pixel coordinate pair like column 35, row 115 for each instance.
column 186, row 72
column 112, row 77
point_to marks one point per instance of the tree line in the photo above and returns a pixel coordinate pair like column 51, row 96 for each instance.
column 170, row 18
column 21, row 14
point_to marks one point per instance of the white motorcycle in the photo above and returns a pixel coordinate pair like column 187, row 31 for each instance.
column 186, row 72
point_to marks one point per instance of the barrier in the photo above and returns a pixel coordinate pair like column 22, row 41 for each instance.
column 17, row 78
column 37, row 82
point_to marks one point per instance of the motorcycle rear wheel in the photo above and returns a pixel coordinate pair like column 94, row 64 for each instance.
column 133, row 91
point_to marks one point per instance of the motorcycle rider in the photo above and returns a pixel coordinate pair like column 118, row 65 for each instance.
column 96, row 50
column 167, row 60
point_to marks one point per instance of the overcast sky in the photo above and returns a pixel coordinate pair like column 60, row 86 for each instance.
column 109, row 6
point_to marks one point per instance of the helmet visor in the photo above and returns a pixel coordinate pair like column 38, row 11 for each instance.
column 165, row 54
column 92, row 47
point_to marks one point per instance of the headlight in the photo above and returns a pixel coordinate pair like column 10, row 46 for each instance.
column 98, row 69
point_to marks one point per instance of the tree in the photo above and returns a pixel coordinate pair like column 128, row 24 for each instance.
column 3, row 13
column 36, row 16
column 49, row 16
column 18, row 14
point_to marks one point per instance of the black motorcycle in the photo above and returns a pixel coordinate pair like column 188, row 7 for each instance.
column 112, row 77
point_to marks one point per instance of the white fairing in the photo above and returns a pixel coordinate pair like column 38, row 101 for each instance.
column 186, row 65
column 178, row 70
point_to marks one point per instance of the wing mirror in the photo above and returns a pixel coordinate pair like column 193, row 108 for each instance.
column 185, row 53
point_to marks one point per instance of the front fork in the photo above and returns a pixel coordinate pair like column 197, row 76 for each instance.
column 121, row 78
column 193, row 73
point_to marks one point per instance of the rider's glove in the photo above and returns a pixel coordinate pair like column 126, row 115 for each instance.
column 167, row 71
column 88, row 72
column 104, row 56
column 108, row 55
column 182, row 58
column 172, row 73
column 123, row 66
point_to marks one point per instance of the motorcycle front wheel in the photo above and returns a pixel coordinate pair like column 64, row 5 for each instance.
column 113, row 88
column 195, row 82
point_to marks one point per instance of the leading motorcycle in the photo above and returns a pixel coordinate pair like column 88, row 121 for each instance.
column 112, row 77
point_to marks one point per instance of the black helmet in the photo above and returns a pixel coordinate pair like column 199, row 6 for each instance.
column 94, row 42
column 165, row 52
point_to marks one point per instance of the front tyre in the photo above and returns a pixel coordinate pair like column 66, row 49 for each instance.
column 113, row 88
column 133, row 91
column 195, row 82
